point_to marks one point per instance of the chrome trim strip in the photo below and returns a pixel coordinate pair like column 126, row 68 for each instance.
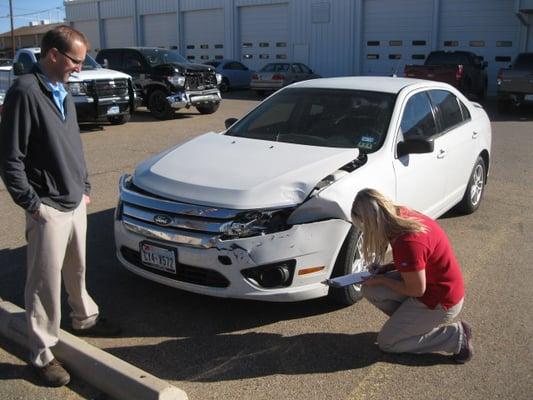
column 175, row 207
column 177, row 221
column 169, row 235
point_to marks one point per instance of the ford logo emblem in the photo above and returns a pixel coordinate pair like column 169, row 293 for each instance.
column 163, row 220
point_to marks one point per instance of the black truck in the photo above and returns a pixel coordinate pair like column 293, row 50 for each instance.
column 164, row 80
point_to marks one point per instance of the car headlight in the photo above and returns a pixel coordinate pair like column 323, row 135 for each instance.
column 177, row 80
column 77, row 88
column 259, row 222
column 219, row 79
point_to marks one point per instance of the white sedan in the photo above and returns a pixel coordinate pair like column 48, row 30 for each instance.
column 262, row 210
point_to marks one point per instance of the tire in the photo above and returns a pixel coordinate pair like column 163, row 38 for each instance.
column 159, row 106
column 208, row 109
column 119, row 119
column 224, row 85
column 349, row 260
column 474, row 189
column 482, row 95
column 504, row 106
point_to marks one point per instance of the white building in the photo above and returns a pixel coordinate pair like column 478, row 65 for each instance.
column 334, row 37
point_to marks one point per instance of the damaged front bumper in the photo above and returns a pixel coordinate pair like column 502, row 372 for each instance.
column 194, row 98
column 283, row 266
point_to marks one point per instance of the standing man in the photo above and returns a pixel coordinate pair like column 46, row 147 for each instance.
column 43, row 167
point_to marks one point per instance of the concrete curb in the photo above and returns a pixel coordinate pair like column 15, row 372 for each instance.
column 95, row 366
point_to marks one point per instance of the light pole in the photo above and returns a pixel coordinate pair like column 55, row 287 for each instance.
column 12, row 32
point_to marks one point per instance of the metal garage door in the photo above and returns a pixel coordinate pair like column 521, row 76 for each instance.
column 118, row 32
column 488, row 28
column 90, row 29
column 204, row 34
column 395, row 34
column 160, row 30
column 264, row 34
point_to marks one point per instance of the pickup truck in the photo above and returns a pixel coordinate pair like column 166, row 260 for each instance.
column 462, row 69
column 99, row 94
column 164, row 80
column 515, row 84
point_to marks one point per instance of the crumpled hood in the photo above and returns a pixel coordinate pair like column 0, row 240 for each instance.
column 237, row 173
column 98, row 73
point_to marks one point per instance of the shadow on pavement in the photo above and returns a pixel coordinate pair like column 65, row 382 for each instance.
column 522, row 113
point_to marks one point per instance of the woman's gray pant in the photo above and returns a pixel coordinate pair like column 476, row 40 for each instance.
column 412, row 326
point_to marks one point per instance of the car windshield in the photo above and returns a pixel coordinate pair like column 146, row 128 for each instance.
column 90, row 63
column 524, row 60
column 275, row 68
column 162, row 56
column 321, row 117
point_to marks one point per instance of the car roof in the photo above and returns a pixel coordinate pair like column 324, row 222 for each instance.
column 370, row 83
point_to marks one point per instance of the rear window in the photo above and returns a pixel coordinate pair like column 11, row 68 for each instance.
column 275, row 68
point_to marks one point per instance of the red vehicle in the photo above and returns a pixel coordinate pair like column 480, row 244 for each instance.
column 462, row 69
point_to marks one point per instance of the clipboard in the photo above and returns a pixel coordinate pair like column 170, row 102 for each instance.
column 350, row 279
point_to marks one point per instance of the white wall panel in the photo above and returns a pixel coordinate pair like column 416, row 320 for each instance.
column 91, row 30
column 80, row 11
column 116, row 8
column 160, row 30
column 156, row 6
column 118, row 32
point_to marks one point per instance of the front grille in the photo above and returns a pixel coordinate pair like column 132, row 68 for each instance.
column 108, row 88
column 200, row 80
column 184, row 273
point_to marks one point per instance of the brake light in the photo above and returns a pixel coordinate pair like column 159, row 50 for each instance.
column 459, row 73
column 278, row 77
column 255, row 76
column 499, row 78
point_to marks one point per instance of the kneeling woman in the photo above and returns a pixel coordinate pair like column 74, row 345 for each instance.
column 422, row 290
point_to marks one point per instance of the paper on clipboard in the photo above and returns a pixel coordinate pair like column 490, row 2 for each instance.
column 350, row 279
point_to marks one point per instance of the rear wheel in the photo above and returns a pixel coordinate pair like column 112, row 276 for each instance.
column 350, row 260
column 474, row 189
column 159, row 105
column 224, row 85
column 208, row 109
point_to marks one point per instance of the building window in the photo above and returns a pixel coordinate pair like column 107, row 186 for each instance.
column 502, row 59
column 281, row 44
column 395, row 43
column 477, row 43
column 281, row 56
column 204, row 46
column 264, row 44
column 219, row 57
column 219, row 46
column 190, row 57
column 451, row 43
column 419, row 42
column 190, row 46
column 504, row 43
column 204, row 57
column 395, row 56
column 263, row 56
column 174, row 47
column 372, row 43
column 418, row 56
column 372, row 56
column 247, row 45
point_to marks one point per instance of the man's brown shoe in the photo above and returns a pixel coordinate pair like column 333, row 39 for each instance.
column 102, row 328
column 467, row 350
column 53, row 374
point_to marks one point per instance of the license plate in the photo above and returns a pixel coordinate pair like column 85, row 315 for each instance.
column 113, row 110
column 158, row 257
column 528, row 97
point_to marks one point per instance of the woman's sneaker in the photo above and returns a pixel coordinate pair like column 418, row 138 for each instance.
column 53, row 374
column 467, row 350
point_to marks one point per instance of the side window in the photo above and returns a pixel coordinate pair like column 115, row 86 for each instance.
column 114, row 59
column 296, row 68
column 304, row 68
column 26, row 62
column 449, row 109
column 133, row 62
column 417, row 118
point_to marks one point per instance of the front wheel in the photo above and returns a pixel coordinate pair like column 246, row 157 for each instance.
column 119, row 119
column 350, row 260
column 159, row 105
column 474, row 189
column 209, row 109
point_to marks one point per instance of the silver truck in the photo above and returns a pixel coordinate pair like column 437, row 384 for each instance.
column 99, row 94
column 515, row 84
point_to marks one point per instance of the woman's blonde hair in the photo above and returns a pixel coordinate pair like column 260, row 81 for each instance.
column 381, row 222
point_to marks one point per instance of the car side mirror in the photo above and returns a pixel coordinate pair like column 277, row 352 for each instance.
column 229, row 122
column 415, row 146
column 18, row 68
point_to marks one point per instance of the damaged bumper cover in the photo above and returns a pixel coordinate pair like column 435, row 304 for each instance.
column 194, row 98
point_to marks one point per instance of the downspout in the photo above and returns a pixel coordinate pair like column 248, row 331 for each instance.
column 524, row 29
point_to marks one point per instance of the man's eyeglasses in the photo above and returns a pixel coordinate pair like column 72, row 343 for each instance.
column 74, row 61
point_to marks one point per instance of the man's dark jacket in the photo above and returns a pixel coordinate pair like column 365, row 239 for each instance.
column 41, row 155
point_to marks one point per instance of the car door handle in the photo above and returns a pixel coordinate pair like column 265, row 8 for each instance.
column 442, row 153
column 475, row 134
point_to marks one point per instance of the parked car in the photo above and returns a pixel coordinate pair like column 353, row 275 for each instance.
column 164, row 80
column 99, row 94
column 515, row 84
column 263, row 210
column 274, row 76
column 462, row 69
column 234, row 74
column 6, row 62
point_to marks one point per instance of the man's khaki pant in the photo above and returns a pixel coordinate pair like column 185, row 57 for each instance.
column 56, row 244
column 412, row 326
